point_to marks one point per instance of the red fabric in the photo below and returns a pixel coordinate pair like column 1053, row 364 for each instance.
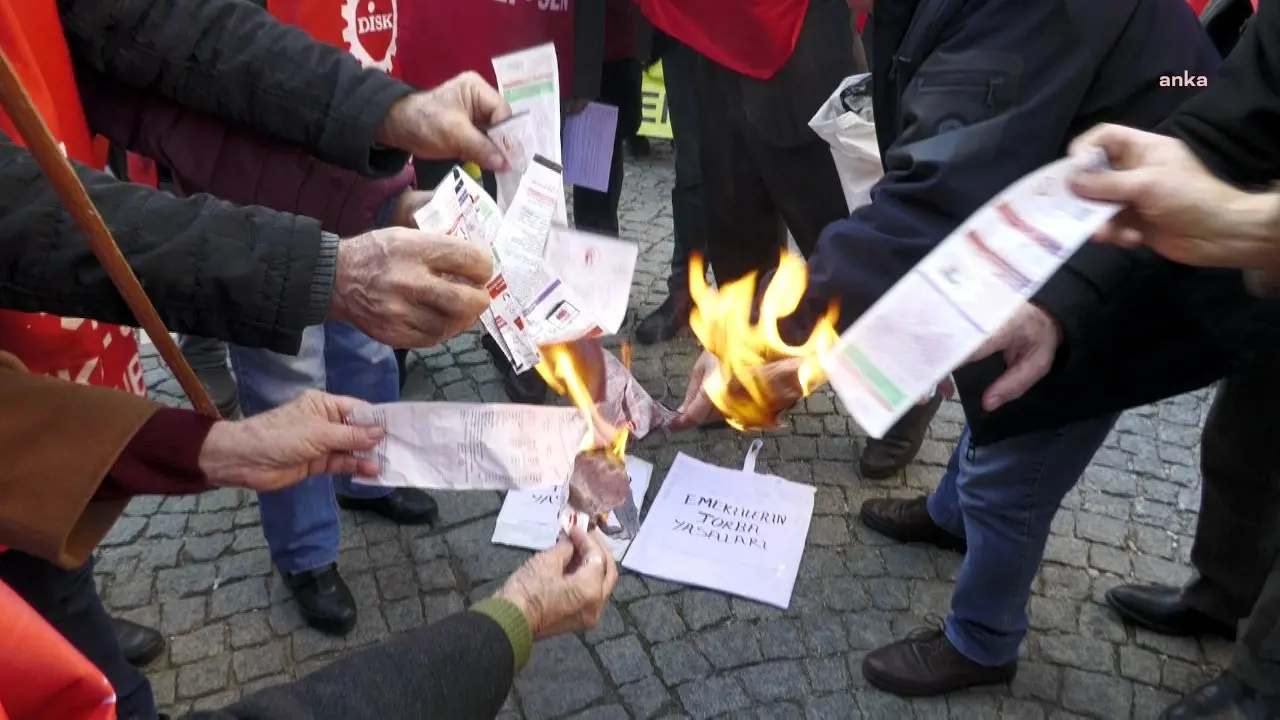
column 162, row 459
column 753, row 37
column 368, row 29
column 450, row 38
column 41, row 675
column 1197, row 6
column 619, row 30
column 862, row 20
column 142, row 170
column 78, row 350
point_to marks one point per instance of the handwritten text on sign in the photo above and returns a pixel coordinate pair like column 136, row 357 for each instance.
column 719, row 521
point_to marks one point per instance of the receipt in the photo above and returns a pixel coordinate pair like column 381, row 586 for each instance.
column 519, row 140
column 962, row 293
column 467, row 446
column 598, row 269
column 627, row 403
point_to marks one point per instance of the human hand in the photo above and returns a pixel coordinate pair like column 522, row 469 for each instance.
column 282, row 446
column 564, row 589
column 1174, row 205
column 1029, row 342
column 781, row 378
column 409, row 288
column 409, row 202
column 445, row 123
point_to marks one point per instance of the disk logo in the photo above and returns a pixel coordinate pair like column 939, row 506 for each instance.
column 371, row 31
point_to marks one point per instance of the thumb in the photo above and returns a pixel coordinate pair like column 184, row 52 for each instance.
column 560, row 555
column 340, row 438
column 1119, row 186
column 1017, row 379
column 474, row 146
column 990, row 346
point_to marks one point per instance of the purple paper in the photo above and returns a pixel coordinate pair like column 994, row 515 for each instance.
column 588, row 146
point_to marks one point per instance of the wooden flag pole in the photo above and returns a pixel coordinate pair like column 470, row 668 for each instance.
column 44, row 147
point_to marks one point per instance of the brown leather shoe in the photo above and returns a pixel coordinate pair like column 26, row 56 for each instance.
column 908, row 521
column 926, row 664
column 884, row 458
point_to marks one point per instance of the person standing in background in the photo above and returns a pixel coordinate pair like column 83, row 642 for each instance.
column 440, row 51
column 619, row 86
column 688, row 206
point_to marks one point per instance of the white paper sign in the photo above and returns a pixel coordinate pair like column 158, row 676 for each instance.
column 530, row 518
column 727, row 530
column 961, row 293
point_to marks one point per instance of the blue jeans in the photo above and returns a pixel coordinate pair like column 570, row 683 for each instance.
column 1002, row 498
column 301, row 522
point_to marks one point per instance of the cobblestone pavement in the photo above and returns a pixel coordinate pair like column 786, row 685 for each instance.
column 198, row 569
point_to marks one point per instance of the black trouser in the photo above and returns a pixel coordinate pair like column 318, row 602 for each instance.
column 756, row 190
column 688, row 205
column 1236, row 552
column 619, row 86
column 68, row 600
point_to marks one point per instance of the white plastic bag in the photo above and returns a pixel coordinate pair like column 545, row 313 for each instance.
column 852, row 137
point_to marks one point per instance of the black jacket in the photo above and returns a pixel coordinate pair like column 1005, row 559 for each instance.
column 248, row 275
column 460, row 668
column 971, row 96
column 1169, row 328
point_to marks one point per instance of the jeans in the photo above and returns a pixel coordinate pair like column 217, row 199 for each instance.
column 1002, row 498
column 301, row 522
column 688, row 208
column 68, row 600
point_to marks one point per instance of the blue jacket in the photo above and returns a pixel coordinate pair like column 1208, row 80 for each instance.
column 970, row 95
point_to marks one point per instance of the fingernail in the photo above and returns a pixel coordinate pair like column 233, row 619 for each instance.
column 497, row 161
column 994, row 402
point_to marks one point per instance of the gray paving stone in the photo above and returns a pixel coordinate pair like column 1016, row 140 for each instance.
column 1128, row 520
column 624, row 659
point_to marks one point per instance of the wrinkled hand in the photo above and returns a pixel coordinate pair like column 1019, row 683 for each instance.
column 278, row 448
column 446, row 122
column 1175, row 206
column 1029, row 342
column 409, row 288
column 409, row 202
column 781, row 377
column 564, row 589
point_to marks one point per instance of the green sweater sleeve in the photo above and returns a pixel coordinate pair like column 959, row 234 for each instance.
column 513, row 623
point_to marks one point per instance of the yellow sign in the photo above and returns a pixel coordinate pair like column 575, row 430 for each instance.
column 655, row 121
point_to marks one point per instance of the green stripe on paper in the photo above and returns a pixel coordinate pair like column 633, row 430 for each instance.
column 883, row 385
column 522, row 92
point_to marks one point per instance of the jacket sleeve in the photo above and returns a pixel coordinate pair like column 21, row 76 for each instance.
column 233, row 60
column 461, row 667
column 234, row 163
column 1231, row 124
column 43, row 418
column 991, row 103
column 251, row 276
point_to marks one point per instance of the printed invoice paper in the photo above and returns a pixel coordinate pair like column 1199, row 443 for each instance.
column 962, row 293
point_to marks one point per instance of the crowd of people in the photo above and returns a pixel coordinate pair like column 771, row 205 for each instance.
column 292, row 140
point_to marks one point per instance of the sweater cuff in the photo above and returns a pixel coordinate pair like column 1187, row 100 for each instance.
column 513, row 622
column 322, row 280
column 163, row 458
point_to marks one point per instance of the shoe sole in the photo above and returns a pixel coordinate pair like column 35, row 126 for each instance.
column 1130, row 617
column 333, row 628
column 889, row 530
column 909, row 691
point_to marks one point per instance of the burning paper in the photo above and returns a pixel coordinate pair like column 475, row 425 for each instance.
column 743, row 387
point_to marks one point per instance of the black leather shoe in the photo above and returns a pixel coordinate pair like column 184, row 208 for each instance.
column 403, row 506
column 664, row 323
column 324, row 599
column 908, row 521
column 1224, row 698
column 639, row 146
column 1165, row 609
column 527, row 388
column 139, row 644
column 927, row 664
column 882, row 459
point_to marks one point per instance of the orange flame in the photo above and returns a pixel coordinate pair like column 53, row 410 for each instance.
column 721, row 320
column 560, row 369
